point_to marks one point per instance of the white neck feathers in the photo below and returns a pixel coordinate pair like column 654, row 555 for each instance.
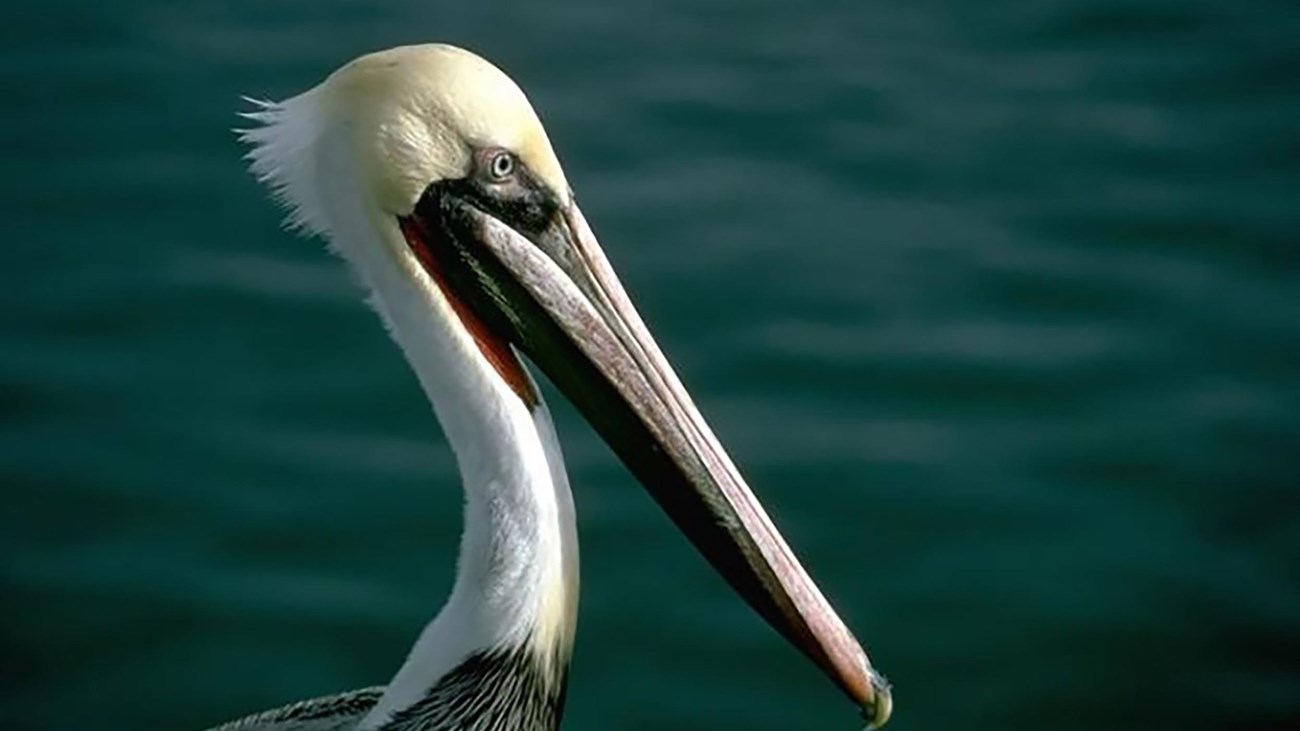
column 517, row 576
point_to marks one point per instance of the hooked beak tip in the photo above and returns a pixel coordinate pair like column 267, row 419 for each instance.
column 877, row 712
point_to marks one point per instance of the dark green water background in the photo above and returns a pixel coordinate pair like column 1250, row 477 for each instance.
column 996, row 304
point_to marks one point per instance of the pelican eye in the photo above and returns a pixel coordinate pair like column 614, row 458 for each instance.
column 501, row 166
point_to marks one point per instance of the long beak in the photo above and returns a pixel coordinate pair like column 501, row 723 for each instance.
column 554, row 295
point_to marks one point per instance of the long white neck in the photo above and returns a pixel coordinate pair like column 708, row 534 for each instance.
column 517, row 579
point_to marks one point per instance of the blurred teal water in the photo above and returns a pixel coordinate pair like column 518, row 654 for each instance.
column 997, row 305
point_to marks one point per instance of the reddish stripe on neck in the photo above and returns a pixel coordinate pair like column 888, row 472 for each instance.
column 495, row 349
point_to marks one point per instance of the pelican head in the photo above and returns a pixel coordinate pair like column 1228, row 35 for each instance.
column 428, row 170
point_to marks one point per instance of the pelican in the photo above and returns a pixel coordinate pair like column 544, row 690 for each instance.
column 427, row 170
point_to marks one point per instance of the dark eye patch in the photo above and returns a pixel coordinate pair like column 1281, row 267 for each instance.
column 522, row 201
